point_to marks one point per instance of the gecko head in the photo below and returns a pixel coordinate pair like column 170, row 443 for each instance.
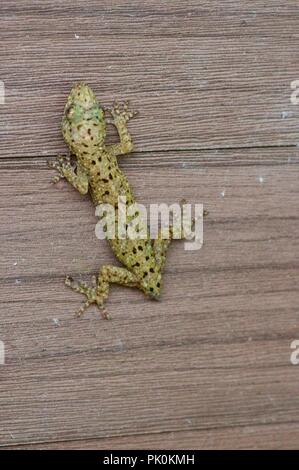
column 83, row 122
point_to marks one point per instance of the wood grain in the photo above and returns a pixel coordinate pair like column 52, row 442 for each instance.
column 237, row 438
column 209, row 366
column 214, row 353
column 202, row 74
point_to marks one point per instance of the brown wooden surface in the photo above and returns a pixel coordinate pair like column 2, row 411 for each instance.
column 209, row 366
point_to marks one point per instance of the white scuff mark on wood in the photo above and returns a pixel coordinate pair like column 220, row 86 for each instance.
column 120, row 346
column 56, row 322
column 285, row 114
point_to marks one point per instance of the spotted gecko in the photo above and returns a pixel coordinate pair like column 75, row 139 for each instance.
column 96, row 170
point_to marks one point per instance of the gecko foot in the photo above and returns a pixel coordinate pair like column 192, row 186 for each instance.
column 92, row 294
column 121, row 111
column 62, row 164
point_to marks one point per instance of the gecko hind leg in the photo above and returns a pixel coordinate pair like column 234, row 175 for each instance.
column 91, row 294
column 161, row 243
column 98, row 292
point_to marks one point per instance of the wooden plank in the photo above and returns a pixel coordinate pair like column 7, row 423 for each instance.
column 214, row 354
column 284, row 436
column 203, row 75
column 163, row 19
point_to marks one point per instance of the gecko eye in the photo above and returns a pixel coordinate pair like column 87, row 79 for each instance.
column 69, row 111
column 73, row 113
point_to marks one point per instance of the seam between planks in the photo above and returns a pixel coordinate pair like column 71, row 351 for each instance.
column 157, row 433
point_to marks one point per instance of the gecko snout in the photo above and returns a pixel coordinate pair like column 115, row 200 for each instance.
column 82, row 95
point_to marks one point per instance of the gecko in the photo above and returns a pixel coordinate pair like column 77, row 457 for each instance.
column 96, row 171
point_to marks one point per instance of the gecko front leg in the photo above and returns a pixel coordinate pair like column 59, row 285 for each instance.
column 121, row 114
column 78, row 179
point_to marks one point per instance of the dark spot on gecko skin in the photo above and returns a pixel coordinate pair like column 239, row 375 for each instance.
column 158, row 284
column 110, row 176
column 100, row 159
column 140, row 248
column 105, row 180
column 106, row 193
column 93, row 162
column 145, row 274
column 89, row 131
column 134, row 251
column 152, row 270
column 147, row 258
